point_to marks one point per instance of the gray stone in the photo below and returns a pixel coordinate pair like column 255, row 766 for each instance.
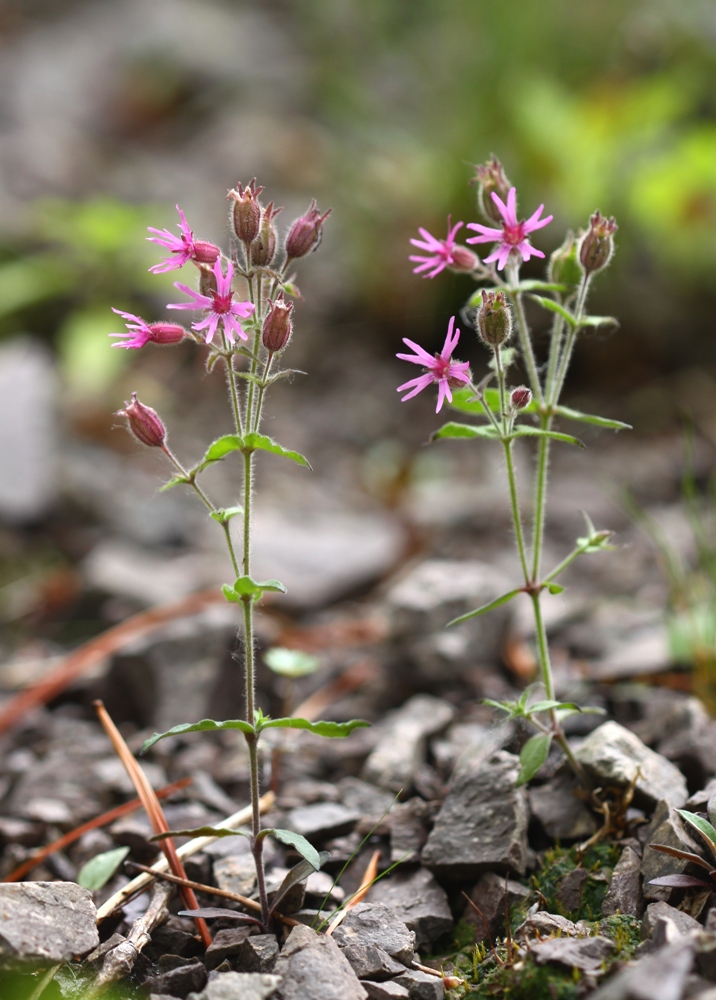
column 226, row 944
column 543, row 924
column 258, row 953
column 569, row 893
column 369, row 961
column 369, row 801
column 624, row 894
column 612, row 754
column 562, row 814
column 660, row 975
column 409, row 822
column 375, row 925
column 45, row 923
column 232, row 985
column 177, row 976
column 322, row 820
column 693, row 750
column 488, row 913
column 483, row 821
column 587, row 954
column 403, row 736
column 698, row 801
column 667, row 828
column 420, row 985
column 706, row 955
column 418, row 900
column 313, row 967
column 389, row 990
column 660, row 914
column 436, row 591
column 237, row 873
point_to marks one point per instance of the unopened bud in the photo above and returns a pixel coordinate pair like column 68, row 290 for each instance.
column 494, row 319
column 167, row 333
column 520, row 397
column 597, row 244
column 490, row 177
column 245, row 214
column 306, row 232
column 564, row 267
column 278, row 325
column 263, row 248
column 144, row 423
column 463, row 259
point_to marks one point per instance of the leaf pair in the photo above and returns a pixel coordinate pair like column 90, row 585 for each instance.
column 464, row 401
column 247, row 444
column 455, row 430
column 245, row 589
column 333, row 730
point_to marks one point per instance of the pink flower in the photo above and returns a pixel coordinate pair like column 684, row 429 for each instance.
column 220, row 305
column 184, row 247
column 513, row 235
column 442, row 253
column 139, row 332
column 438, row 369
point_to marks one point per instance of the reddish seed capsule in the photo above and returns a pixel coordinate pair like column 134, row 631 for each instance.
column 306, row 232
column 245, row 216
column 263, row 248
column 144, row 423
column 597, row 246
column 490, row 177
column 494, row 319
column 278, row 325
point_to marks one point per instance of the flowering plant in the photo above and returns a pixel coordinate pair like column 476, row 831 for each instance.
column 245, row 324
column 506, row 413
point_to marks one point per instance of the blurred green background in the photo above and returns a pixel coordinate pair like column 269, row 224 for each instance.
column 378, row 108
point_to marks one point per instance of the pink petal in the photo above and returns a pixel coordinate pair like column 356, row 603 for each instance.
column 416, row 385
column 534, row 222
column 423, row 358
column 512, row 206
column 450, row 341
column 243, row 309
column 230, row 323
column 430, row 247
column 184, row 225
column 443, row 391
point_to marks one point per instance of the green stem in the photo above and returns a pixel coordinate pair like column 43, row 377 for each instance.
column 540, row 498
column 568, row 348
column 554, row 349
column 258, row 302
column 262, row 392
column 231, row 383
column 545, row 665
column 563, row 565
column 516, row 518
column 524, row 335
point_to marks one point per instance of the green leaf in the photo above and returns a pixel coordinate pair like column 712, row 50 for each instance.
column 598, row 321
column 224, row 514
column 454, row 430
column 486, row 607
column 260, row 442
column 307, row 851
column 202, row 831
column 464, row 400
column 555, row 307
column 503, row 706
column 531, row 285
column 298, row 873
column 532, row 756
column 204, row 726
column 333, row 730
column 524, row 430
column 545, row 706
column 246, row 587
column 555, row 588
column 588, row 418
column 174, row 481
column 290, row 662
column 702, row 825
column 219, row 449
column 99, row 870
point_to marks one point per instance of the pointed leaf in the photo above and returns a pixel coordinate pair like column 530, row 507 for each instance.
column 260, row 442
column 224, row 514
column 486, row 607
column 555, row 588
column 454, row 430
column 531, row 285
column 532, row 756
column 307, row 851
column 203, row 831
column 96, row 872
column 465, row 401
column 219, row 449
column 545, row 706
column 291, row 662
column 555, row 307
column 334, row 730
column 174, row 481
column 204, row 726
column 524, row 430
column 217, row 912
column 298, row 873
column 598, row 321
column 681, row 882
column 702, row 825
column 246, row 587
column 503, row 706
column 588, row 418
column 674, row 852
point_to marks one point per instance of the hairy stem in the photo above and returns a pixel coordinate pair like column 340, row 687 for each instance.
column 524, row 335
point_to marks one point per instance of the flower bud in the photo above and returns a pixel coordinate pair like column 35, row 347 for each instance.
column 263, row 249
column 564, row 267
column 597, row 244
column 463, row 259
column 520, row 397
column 494, row 319
column 245, row 214
column 278, row 325
column 491, row 177
column 306, row 232
column 144, row 423
column 167, row 333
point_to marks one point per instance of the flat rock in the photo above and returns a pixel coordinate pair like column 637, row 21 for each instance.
column 561, row 813
column 232, row 985
column 420, row 985
column 45, row 922
column 258, row 953
column 400, row 750
column 483, row 821
column 322, row 820
column 372, row 933
column 625, row 894
column 543, row 924
column 419, row 901
column 177, row 976
column 409, row 823
column 225, row 945
column 389, row 990
column 237, row 873
column 313, row 967
column 586, row 954
column 660, row 975
column 489, row 898
column 660, row 912
column 612, row 755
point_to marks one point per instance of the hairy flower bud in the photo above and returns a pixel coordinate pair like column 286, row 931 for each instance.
column 597, row 245
column 564, row 267
column 144, row 423
column 245, row 214
column 167, row 333
column 463, row 259
column 494, row 319
column 263, row 248
column 520, row 397
column 306, row 232
column 278, row 325
column 490, row 177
